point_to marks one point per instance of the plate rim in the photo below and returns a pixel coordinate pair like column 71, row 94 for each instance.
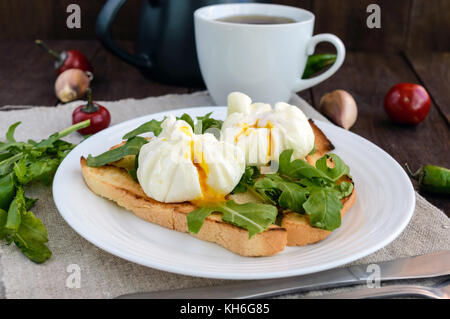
column 233, row 275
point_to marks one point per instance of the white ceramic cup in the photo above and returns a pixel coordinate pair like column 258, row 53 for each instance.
column 266, row 61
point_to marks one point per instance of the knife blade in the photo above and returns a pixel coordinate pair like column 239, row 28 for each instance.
column 422, row 266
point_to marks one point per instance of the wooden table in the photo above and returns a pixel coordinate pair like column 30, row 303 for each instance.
column 27, row 78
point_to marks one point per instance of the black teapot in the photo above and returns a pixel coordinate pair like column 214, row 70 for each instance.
column 165, row 45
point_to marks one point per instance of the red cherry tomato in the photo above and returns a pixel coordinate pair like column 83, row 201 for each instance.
column 407, row 103
column 74, row 59
column 70, row 59
column 99, row 116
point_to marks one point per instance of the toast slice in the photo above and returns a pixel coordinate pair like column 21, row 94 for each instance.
column 299, row 229
column 114, row 183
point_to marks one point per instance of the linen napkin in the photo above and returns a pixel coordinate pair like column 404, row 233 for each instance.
column 105, row 276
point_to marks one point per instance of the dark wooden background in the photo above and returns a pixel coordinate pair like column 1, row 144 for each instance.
column 413, row 45
column 406, row 24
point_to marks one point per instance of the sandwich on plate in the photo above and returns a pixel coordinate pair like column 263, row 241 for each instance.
column 260, row 180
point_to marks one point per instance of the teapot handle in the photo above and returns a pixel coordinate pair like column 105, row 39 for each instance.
column 103, row 28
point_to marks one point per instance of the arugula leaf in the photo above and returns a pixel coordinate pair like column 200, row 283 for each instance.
column 324, row 209
column 286, row 194
column 253, row 217
column 42, row 169
column 20, row 164
column 298, row 168
column 153, row 126
column 339, row 169
column 7, row 191
column 10, row 133
column 209, row 123
column 20, row 170
column 5, row 155
column 292, row 195
column 3, row 217
column 131, row 147
column 17, row 208
column 343, row 189
column 5, row 165
column 31, row 237
column 268, row 190
column 29, row 202
column 251, row 173
column 188, row 119
column 56, row 136
column 133, row 171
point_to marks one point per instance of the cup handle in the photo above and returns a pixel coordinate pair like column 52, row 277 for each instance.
column 302, row 84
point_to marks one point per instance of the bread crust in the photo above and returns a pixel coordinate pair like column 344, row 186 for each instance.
column 115, row 184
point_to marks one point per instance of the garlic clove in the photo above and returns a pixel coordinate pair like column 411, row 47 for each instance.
column 71, row 84
column 340, row 107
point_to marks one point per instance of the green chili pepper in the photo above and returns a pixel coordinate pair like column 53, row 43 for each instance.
column 434, row 179
column 318, row 62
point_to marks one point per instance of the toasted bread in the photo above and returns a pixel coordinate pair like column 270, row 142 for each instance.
column 300, row 231
column 114, row 183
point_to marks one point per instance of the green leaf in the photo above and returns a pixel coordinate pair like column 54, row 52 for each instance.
column 133, row 171
column 42, row 169
column 3, row 217
column 56, row 136
column 298, row 168
column 153, row 126
column 251, row 173
column 16, row 210
column 339, row 169
column 324, row 209
column 10, row 133
column 286, row 194
column 268, row 190
column 253, row 217
column 20, row 164
column 5, row 155
column 20, row 170
column 5, row 165
column 131, row 147
column 7, row 191
column 209, row 123
column 292, row 197
column 31, row 238
column 188, row 119
column 29, row 202
column 343, row 189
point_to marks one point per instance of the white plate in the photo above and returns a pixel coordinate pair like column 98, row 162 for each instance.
column 385, row 203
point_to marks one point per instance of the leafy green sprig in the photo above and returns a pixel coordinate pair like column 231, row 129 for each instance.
column 303, row 188
column 134, row 142
column 22, row 163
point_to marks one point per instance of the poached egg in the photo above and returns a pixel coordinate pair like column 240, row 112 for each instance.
column 179, row 166
column 263, row 132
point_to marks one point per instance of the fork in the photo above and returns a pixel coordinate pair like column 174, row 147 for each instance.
column 439, row 291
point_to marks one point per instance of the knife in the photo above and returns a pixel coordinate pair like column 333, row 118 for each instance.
column 423, row 266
